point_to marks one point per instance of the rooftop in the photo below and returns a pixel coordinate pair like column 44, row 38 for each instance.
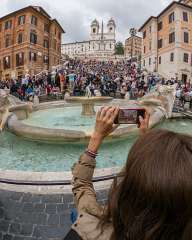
column 133, row 37
column 38, row 9
column 179, row 3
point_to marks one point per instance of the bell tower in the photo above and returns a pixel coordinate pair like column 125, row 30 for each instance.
column 94, row 29
column 111, row 26
column 111, row 29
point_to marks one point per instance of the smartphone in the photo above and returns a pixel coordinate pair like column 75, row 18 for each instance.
column 129, row 116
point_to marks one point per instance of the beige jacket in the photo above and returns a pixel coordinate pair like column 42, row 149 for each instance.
column 89, row 211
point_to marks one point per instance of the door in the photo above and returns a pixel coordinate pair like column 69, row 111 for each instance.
column 184, row 78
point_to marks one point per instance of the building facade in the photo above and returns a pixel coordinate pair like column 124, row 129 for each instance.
column 30, row 42
column 133, row 47
column 167, row 42
column 100, row 45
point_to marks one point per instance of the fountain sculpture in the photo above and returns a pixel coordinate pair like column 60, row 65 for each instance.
column 88, row 103
column 9, row 104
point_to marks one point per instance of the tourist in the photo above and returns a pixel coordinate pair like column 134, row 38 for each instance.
column 149, row 200
column 123, row 90
column 109, row 78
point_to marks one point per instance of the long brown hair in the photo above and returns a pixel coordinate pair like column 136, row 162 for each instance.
column 153, row 201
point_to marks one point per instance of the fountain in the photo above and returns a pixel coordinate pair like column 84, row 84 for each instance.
column 39, row 145
column 64, row 123
column 88, row 103
column 57, row 132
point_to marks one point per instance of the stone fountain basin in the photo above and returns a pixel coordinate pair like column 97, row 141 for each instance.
column 88, row 103
column 61, row 136
column 88, row 100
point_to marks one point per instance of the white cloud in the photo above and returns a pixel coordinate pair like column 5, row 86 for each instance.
column 76, row 15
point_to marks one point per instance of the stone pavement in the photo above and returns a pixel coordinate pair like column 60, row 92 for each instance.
column 34, row 216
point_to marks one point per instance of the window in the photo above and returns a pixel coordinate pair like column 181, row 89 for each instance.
column 144, row 34
column 46, row 43
column 150, row 29
column 185, row 16
column 144, row 49
column 149, row 61
column 8, row 24
column 172, row 57
column 144, row 63
column 54, row 44
column 32, row 56
column 59, row 47
column 55, row 31
column 46, row 27
column 34, row 20
column 160, row 26
column 59, row 35
column 186, row 37
column 33, row 38
column 160, row 60
column 7, row 40
column 46, row 59
column 6, row 62
column 94, row 30
column 171, row 17
column 186, row 57
column 160, row 43
column 21, row 20
column 172, row 37
column 150, row 46
column 20, row 38
column 19, row 59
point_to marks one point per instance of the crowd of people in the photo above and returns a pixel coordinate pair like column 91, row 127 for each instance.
column 120, row 79
column 77, row 77
column 184, row 94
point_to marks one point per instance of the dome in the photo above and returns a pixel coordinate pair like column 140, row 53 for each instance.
column 111, row 22
column 95, row 23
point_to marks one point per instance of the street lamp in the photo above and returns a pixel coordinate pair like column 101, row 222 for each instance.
column 133, row 33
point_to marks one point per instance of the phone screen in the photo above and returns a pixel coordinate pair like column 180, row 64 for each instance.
column 129, row 116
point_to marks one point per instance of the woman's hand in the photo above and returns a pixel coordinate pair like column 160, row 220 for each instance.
column 103, row 127
column 144, row 123
column 105, row 121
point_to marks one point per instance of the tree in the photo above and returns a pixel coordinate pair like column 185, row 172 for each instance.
column 119, row 48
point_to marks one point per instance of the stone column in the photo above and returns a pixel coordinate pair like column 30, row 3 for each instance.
column 88, row 109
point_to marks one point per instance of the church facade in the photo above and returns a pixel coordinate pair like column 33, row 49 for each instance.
column 100, row 45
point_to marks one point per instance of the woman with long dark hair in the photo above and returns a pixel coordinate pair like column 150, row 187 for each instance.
column 152, row 197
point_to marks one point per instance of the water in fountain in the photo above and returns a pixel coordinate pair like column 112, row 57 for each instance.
column 61, row 118
column 18, row 154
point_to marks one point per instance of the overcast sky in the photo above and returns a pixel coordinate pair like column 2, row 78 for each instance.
column 76, row 15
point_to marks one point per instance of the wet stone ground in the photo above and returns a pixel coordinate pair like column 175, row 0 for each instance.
column 27, row 216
